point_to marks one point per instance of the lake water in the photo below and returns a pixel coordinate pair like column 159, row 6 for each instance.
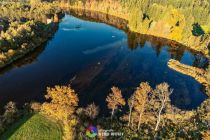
column 93, row 57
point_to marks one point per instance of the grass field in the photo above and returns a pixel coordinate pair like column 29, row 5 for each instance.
column 34, row 127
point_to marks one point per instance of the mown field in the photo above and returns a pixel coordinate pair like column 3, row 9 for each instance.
column 34, row 127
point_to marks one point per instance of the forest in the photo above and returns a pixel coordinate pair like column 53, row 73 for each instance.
column 24, row 26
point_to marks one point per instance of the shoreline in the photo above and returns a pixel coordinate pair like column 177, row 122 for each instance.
column 126, row 19
column 173, row 43
column 37, row 41
column 28, row 50
column 196, row 73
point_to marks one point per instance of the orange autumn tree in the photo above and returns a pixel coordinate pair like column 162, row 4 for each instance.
column 115, row 100
column 206, row 135
column 141, row 100
column 63, row 101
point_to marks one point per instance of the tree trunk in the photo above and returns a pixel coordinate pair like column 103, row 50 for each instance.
column 112, row 114
column 129, row 118
column 139, row 123
column 159, row 115
column 132, row 122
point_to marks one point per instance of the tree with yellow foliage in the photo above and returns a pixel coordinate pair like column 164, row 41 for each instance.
column 63, row 102
column 62, row 105
column 141, row 100
column 56, row 18
column 206, row 135
column 35, row 3
column 115, row 100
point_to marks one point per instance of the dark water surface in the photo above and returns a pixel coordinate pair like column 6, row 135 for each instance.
column 96, row 56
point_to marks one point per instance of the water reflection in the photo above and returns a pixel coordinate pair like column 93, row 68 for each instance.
column 121, row 72
column 28, row 58
column 94, row 57
column 106, row 46
column 135, row 40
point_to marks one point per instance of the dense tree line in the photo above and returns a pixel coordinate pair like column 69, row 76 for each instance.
column 21, row 38
column 24, row 26
column 33, row 10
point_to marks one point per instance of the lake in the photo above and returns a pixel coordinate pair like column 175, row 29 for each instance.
column 93, row 56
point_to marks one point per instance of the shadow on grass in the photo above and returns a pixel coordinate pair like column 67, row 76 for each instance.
column 12, row 129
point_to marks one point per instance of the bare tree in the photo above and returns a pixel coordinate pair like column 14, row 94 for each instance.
column 10, row 113
column 115, row 100
column 160, row 101
column 92, row 111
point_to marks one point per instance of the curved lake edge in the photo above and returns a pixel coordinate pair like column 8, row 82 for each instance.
column 89, row 14
column 27, row 58
column 27, row 48
column 24, row 53
column 73, row 8
column 196, row 73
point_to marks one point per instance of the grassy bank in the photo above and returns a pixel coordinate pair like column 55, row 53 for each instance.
column 34, row 127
